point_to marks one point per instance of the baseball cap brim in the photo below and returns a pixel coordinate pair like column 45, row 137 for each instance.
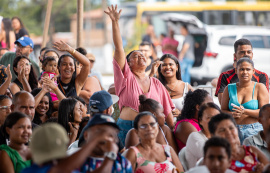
column 22, row 43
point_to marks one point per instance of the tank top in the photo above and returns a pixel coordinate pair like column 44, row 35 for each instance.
column 179, row 102
column 193, row 122
column 164, row 135
column 248, row 163
column 69, row 90
column 18, row 163
column 252, row 104
column 19, row 84
column 143, row 165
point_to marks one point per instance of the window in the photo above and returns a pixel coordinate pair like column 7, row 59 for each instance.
column 227, row 41
column 256, row 40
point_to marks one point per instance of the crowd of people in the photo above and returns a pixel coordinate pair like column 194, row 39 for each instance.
column 61, row 119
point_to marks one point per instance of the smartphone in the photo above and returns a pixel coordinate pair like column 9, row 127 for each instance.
column 233, row 105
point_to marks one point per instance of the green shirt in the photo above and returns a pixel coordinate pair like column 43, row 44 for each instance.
column 9, row 57
column 18, row 163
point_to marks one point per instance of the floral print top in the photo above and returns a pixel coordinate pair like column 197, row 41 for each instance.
column 146, row 166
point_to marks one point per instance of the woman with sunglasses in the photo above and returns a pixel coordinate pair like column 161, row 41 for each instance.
column 26, row 77
column 148, row 155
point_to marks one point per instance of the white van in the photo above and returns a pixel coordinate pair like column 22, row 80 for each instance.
column 218, row 56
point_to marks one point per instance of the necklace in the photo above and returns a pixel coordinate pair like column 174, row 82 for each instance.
column 170, row 90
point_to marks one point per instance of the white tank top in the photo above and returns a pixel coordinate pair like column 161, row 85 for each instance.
column 179, row 102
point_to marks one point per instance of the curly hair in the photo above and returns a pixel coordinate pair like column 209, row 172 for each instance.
column 192, row 99
column 178, row 73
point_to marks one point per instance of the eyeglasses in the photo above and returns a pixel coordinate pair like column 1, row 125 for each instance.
column 144, row 126
column 4, row 108
column 28, row 64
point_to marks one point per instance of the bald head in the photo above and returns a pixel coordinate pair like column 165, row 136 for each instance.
column 24, row 102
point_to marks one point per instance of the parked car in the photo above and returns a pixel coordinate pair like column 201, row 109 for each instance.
column 218, row 56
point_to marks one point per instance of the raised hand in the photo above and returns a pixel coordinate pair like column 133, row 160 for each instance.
column 49, row 82
column 9, row 75
column 21, row 74
column 154, row 68
column 112, row 12
column 62, row 46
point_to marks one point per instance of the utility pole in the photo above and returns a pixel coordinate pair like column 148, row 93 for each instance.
column 79, row 42
column 47, row 23
column 104, row 7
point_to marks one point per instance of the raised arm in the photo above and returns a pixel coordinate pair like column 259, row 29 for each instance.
column 5, row 85
column 119, row 54
column 80, row 79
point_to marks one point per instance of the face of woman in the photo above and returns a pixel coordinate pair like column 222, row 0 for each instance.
column 245, row 71
column 168, row 68
column 78, row 113
column 43, row 106
column 16, row 24
column 67, row 67
column 207, row 115
column 21, row 131
column 53, row 54
column 137, row 59
column 160, row 115
column 23, row 63
column 226, row 129
column 147, row 128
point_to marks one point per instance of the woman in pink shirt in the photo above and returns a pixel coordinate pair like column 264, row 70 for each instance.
column 131, row 81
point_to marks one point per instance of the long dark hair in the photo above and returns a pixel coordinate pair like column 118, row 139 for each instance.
column 12, row 119
column 37, row 119
column 74, row 62
column 192, row 99
column 66, row 112
column 203, row 108
column 178, row 73
column 8, row 29
column 32, row 75
column 147, row 104
column 21, row 23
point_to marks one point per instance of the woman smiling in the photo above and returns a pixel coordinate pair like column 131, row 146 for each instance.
column 131, row 81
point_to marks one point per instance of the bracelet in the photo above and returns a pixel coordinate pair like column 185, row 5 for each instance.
column 73, row 51
column 55, row 89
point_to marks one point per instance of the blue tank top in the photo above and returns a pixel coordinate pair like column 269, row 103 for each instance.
column 252, row 104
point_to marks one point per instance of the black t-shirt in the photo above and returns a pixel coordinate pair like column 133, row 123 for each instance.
column 69, row 90
column 22, row 32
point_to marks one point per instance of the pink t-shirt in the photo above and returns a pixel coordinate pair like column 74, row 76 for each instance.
column 170, row 41
column 128, row 90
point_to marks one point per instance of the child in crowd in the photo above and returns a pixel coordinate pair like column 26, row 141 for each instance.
column 49, row 67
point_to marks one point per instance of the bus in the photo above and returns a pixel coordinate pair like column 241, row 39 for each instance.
column 137, row 16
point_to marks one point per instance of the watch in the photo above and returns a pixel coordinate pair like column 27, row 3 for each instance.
column 111, row 155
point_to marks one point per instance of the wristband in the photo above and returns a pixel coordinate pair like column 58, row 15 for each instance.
column 55, row 89
column 73, row 51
